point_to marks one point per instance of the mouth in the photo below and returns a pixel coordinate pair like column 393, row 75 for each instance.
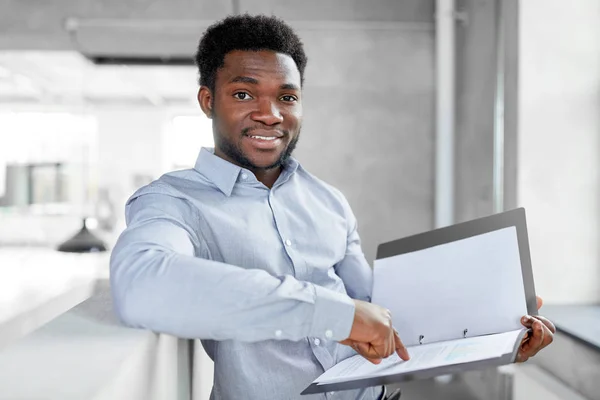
column 265, row 140
column 263, row 137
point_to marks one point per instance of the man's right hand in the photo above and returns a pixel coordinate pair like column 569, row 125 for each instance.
column 373, row 335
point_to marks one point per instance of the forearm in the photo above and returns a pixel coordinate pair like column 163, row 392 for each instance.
column 160, row 290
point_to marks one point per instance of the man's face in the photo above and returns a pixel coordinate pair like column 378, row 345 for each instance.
column 256, row 109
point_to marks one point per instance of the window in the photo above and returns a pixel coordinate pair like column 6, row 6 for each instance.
column 185, row 137
column 45, row 158
column 44, row 183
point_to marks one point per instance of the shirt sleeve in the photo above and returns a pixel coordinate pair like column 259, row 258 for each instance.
column 353, row 269
column 159, row 283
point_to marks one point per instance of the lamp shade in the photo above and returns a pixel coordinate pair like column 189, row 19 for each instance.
column 83, row 241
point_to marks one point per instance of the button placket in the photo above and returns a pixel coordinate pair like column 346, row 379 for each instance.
column 299, row 265
column 278, row 226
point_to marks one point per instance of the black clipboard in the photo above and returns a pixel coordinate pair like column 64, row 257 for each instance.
column 476, row 228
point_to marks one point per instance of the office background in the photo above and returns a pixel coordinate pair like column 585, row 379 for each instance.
column 422, row 112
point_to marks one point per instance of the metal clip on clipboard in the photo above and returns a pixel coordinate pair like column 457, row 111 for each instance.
column 422, row 338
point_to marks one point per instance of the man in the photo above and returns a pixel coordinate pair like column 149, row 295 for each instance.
column 248, row 251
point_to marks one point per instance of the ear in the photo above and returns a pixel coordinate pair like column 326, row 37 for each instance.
column 205, row 99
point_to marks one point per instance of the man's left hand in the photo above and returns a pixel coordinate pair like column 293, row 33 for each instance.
column 541, row 336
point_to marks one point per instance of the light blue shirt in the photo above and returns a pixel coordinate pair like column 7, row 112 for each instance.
column 264, row 276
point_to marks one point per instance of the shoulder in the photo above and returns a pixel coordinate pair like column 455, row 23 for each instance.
column 172, row 194
column 173, row 185
column 161, row 205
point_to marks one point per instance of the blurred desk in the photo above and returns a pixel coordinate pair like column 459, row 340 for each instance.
column 86, row 353
column 574, row 356
column 39, row 284
column 581, row 322
column 59, row 338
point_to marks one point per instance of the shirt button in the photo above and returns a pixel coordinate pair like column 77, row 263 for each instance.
column 288, row 242
column 317, row 341
column 244, row 177
column 328, row 334
column 278, row 333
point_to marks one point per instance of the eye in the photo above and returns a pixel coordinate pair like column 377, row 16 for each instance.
column 289, row 98
column 242, row 96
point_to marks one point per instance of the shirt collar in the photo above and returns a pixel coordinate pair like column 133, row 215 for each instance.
column 225, row 174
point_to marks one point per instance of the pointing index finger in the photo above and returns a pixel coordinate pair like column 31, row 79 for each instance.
column 400, row 348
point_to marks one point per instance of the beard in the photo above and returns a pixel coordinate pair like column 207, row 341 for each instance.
column 235, row 153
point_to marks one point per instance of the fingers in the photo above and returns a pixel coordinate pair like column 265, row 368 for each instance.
column 383, row 344
column 537, row 337
column 546, row 322
column 389, row 343
column 548, row 337
column 527, row 322
column 539, row 301
column 541, row 337
column 367, row 351
column 392, row 342
column 400, row 348
column 376, row 352
column 372, row 334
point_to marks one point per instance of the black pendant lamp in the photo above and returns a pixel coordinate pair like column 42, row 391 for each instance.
column 83, row 241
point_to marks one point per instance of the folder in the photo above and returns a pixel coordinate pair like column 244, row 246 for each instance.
column 456, row 295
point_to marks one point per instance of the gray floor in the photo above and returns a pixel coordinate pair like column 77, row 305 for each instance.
column 431, row 389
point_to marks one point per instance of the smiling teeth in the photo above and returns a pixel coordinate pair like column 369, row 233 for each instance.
column 264, row 137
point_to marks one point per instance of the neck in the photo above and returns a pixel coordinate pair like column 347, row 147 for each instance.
column 267, row 177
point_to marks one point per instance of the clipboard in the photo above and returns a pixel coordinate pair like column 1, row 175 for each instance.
column 453, row 286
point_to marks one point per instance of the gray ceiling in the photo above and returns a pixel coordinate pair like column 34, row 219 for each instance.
column 40, row 25
column 41, row 42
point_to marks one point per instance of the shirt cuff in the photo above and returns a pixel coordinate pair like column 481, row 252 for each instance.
column 333, row 316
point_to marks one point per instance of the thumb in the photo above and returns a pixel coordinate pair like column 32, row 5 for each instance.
column 540, row 302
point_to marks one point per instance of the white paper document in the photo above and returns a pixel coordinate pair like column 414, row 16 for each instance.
column 424, row 357
column 473, row 284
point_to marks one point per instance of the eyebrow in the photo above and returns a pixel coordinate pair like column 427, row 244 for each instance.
column 289, row 86
column 253, row 81
column 244, row 79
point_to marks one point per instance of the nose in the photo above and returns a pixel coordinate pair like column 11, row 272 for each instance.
column 268, row 113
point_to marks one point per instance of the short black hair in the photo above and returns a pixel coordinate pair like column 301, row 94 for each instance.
column 246, row 32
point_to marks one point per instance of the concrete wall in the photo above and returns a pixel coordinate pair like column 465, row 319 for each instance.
column 369, row 124
column 475, row 93
column 559, row 145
